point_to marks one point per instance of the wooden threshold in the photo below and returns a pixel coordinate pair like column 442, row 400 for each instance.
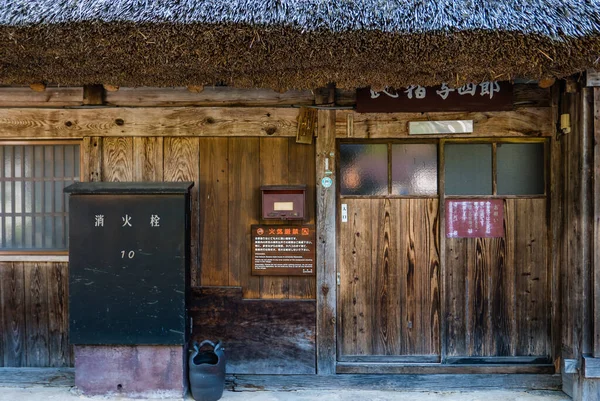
column 35, row 377
column 414, row 382
column 430, row 368
column 495, row 360
column 57, row 377
column 420, row 359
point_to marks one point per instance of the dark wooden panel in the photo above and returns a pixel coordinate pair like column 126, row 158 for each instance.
column 181, row 163
column 244, row 183
column 58, row 310
column 36, row 314
column 301, row 170
column 259, row 336
column 213, row 213
column 117, row 159
column 12, row 281
column 274, row 171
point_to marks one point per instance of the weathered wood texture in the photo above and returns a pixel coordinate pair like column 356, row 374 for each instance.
column 210, row 96
column 389, row 264
column 34, row 312
column 596, row 224
column 326, row 244
column 51, row 97
column 577, row 250
column 260, row 336
column 431, row 382
column 24, row 123
column 497, row 301
column 525, row 122
column 227, row 173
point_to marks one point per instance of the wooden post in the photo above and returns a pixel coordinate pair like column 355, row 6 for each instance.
column 596, row 223
column 326, row 243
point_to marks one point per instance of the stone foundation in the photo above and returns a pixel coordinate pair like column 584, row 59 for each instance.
column 138, row 371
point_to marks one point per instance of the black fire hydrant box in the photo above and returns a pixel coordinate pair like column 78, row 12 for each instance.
column 129, row 278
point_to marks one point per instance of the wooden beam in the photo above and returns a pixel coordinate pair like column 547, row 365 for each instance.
column 592, row 78
column 525, row 122
column 434, row 382
column 93, row 95
column 587, row 222
column 596, row 225
column 326, row 244
column 176, row 121
column 403, row 369
column 591, row 367
column 51, row 97
column 209, row 97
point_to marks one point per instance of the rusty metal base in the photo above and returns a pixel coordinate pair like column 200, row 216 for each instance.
column 134, row 371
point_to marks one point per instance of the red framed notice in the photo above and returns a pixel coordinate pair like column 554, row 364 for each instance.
column 279, row 250
column 472, row 218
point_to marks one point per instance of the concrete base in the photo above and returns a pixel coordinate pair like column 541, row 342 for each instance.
column 140, row 371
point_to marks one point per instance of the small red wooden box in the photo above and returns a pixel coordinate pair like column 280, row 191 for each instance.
column 283, row 202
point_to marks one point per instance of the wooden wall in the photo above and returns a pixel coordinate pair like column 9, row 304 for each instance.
column 498, row 298
column 227, row 173
column 34, row 315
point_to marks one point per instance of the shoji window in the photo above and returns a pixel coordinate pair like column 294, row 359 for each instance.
column 33, row 208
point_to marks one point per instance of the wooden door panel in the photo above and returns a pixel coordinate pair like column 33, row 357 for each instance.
column 389, row 268
column 497, row 290
column 355, row 247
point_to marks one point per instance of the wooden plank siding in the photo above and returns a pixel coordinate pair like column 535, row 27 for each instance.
column 227, row 173
column 498, row 299
column 34, row 311
column 389, row 270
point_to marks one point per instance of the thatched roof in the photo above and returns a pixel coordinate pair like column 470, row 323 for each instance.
column 294, row 43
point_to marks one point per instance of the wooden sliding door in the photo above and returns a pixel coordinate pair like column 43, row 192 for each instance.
column 388, row 263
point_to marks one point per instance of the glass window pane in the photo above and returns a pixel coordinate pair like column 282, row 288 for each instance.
column 520, row 168
column 364, row 169
column 414, row 169
column 468, row 169
column 33, row 208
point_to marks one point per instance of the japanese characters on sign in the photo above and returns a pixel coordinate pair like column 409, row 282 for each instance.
column 126, row 220
column 283, row 250
column 485, row 96
column 471, row 218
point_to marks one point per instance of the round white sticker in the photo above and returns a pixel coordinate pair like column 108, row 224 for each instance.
column 326, row 182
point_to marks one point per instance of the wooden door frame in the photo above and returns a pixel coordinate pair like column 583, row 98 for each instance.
column 326, row 268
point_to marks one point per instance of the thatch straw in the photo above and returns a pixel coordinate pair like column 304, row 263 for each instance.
column 294, row 43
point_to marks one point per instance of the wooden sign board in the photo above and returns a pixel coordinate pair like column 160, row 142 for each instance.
column 486, row 96
column 283, row 250
column 472, row 218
